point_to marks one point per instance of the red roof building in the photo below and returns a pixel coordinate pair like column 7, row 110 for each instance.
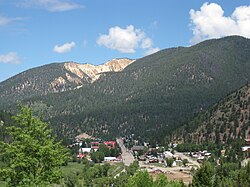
column 110, row 144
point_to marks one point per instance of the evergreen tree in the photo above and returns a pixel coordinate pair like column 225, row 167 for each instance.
column 204, row 176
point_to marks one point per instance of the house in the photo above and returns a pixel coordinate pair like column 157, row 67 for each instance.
column 109, row 159
column 85, row 150
column 168, row 154
column 95, row 145
column 246, row 149
column 137, row 148
column 208, row 154
column 110, row 144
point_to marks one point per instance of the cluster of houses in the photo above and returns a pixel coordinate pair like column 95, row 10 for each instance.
column 88, row 145
column 85, row 149
column 156, row 155
column 159, row 155
column 201, row 155
column 94, row 146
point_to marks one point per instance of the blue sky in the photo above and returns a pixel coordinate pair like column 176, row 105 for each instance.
column 38, row 32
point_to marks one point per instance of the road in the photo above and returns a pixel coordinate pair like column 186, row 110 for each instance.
column 190, row 160
column 127, row 156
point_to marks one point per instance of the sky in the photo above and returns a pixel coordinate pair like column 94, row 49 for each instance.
column 38, row 32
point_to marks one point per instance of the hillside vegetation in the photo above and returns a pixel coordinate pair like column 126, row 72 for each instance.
column 55, row 78
column 151, row 97
column 224, row 122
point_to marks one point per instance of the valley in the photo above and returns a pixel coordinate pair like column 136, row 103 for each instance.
column 124, row 93
column 179, row 111
column 152, row 96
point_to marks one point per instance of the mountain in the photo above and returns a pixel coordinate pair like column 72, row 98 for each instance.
column 56, row 77
column 222, row 123
column 151, row 97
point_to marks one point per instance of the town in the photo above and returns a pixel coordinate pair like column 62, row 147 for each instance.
column 171, row 160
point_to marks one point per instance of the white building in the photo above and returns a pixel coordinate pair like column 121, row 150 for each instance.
column 85, row 150
column 109, row 159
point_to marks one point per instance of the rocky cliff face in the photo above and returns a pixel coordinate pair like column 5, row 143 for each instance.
column 92, row 72
column 80, row 74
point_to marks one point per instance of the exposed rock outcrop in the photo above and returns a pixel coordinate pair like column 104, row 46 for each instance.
column 93, row 72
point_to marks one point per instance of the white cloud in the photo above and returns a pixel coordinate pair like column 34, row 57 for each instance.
column 210, row 22
column 151, row 51
column 10, row 58
column 6, row 20
column 50, row 5
column 146, row 43
column 125, row 40
column 64, row 48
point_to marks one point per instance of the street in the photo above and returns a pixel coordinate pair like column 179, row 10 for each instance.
column 127, row 156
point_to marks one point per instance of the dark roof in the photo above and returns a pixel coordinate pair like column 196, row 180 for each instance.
column 137, row 148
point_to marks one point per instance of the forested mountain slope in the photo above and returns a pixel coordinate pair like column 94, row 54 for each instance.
column 155, row 94
column 224, row 122
column 54, row 78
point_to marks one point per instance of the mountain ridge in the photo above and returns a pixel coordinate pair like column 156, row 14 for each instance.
column 152, row 96
column 57, row 77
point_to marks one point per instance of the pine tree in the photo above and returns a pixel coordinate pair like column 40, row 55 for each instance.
column 204, row 176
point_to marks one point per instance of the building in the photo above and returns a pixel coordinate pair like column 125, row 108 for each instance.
column 110, row 144
column 95, row 145
column 109, row 159
column 137, row 148
column 85, row 150
column 168, row 154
